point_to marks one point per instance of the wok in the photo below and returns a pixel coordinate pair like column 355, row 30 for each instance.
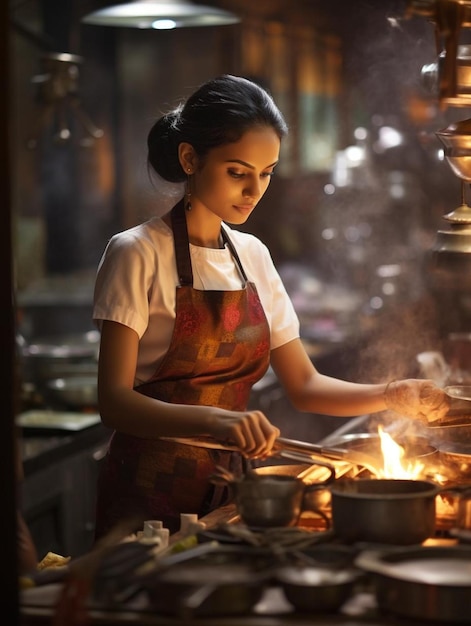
column 414, row 448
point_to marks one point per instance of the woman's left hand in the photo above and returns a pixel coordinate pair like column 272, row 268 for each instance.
column 421, row 399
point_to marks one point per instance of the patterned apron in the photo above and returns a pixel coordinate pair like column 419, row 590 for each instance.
column 219, row 348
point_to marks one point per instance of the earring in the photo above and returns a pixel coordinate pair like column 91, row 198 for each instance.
column 187, row 191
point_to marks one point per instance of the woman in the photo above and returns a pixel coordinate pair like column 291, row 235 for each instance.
column 192, row 312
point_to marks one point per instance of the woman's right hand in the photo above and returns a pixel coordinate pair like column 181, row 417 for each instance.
column 250, row 431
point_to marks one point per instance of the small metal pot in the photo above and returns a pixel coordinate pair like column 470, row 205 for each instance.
column 386, row 511
column 271, row 500
column 274, row 499
column 316, row 500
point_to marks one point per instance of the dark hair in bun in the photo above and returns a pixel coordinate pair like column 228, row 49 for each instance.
column 219, row 112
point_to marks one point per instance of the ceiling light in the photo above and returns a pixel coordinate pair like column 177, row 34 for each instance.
column 149, row 13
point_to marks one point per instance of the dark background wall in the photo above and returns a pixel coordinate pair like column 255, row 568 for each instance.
column 331, row 68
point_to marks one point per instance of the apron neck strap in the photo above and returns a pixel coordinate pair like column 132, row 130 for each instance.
column 182, row 246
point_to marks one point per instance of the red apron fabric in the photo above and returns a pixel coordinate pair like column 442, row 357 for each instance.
column 219, row 348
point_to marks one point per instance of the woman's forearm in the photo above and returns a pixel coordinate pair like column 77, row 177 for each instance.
column 332, row 396
column 133, row 413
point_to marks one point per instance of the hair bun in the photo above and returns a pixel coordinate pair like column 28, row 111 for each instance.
column 162, row 145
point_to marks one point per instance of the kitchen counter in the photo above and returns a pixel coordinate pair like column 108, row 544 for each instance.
column 49, row 447
column 57, row 493
column 273, row 609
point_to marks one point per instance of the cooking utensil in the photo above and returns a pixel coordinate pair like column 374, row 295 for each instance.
column 415, row 448
column 460, row 392
column 73, row 391
column 460, row 400
column 457, row 458
column 387, row 511
column 284, row 448
column 315, row 588
column 317, row 500
column 451, row 429
column 223, row 582
column 425, row 583
column 272, row 500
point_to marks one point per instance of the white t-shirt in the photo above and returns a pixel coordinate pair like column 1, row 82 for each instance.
column 137, row 279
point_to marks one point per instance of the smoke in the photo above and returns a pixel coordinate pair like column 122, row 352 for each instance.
column 391, row 353
column 386, row 53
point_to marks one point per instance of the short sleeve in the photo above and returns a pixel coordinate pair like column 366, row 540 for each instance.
column 124, row 279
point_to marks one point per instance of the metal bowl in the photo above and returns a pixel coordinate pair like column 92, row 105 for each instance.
column 73, row 391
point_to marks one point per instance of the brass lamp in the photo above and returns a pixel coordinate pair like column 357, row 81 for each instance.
column 452, row 249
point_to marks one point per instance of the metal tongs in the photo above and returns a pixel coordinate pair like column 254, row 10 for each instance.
column 294, row 450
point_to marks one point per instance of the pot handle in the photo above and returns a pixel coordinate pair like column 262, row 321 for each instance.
column 462, row 491
column 307, row 458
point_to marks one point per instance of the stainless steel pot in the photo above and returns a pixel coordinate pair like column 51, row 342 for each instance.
column 386, row 511
column 272, row 500
column 425, row 583
column 316, row 500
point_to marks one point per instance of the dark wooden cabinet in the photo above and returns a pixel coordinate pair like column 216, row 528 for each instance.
column 58, row 501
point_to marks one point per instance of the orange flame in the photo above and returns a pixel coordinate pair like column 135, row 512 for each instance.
column 394, row 463
column 396, row 466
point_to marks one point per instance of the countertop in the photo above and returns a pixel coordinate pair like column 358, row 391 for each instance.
column 40, row 450
column 273, row 609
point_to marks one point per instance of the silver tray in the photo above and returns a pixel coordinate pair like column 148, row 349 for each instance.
column 55, row 420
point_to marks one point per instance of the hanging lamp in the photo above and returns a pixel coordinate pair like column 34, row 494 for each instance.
column 160, row 14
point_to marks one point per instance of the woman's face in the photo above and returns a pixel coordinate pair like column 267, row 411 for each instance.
column 232, row 178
